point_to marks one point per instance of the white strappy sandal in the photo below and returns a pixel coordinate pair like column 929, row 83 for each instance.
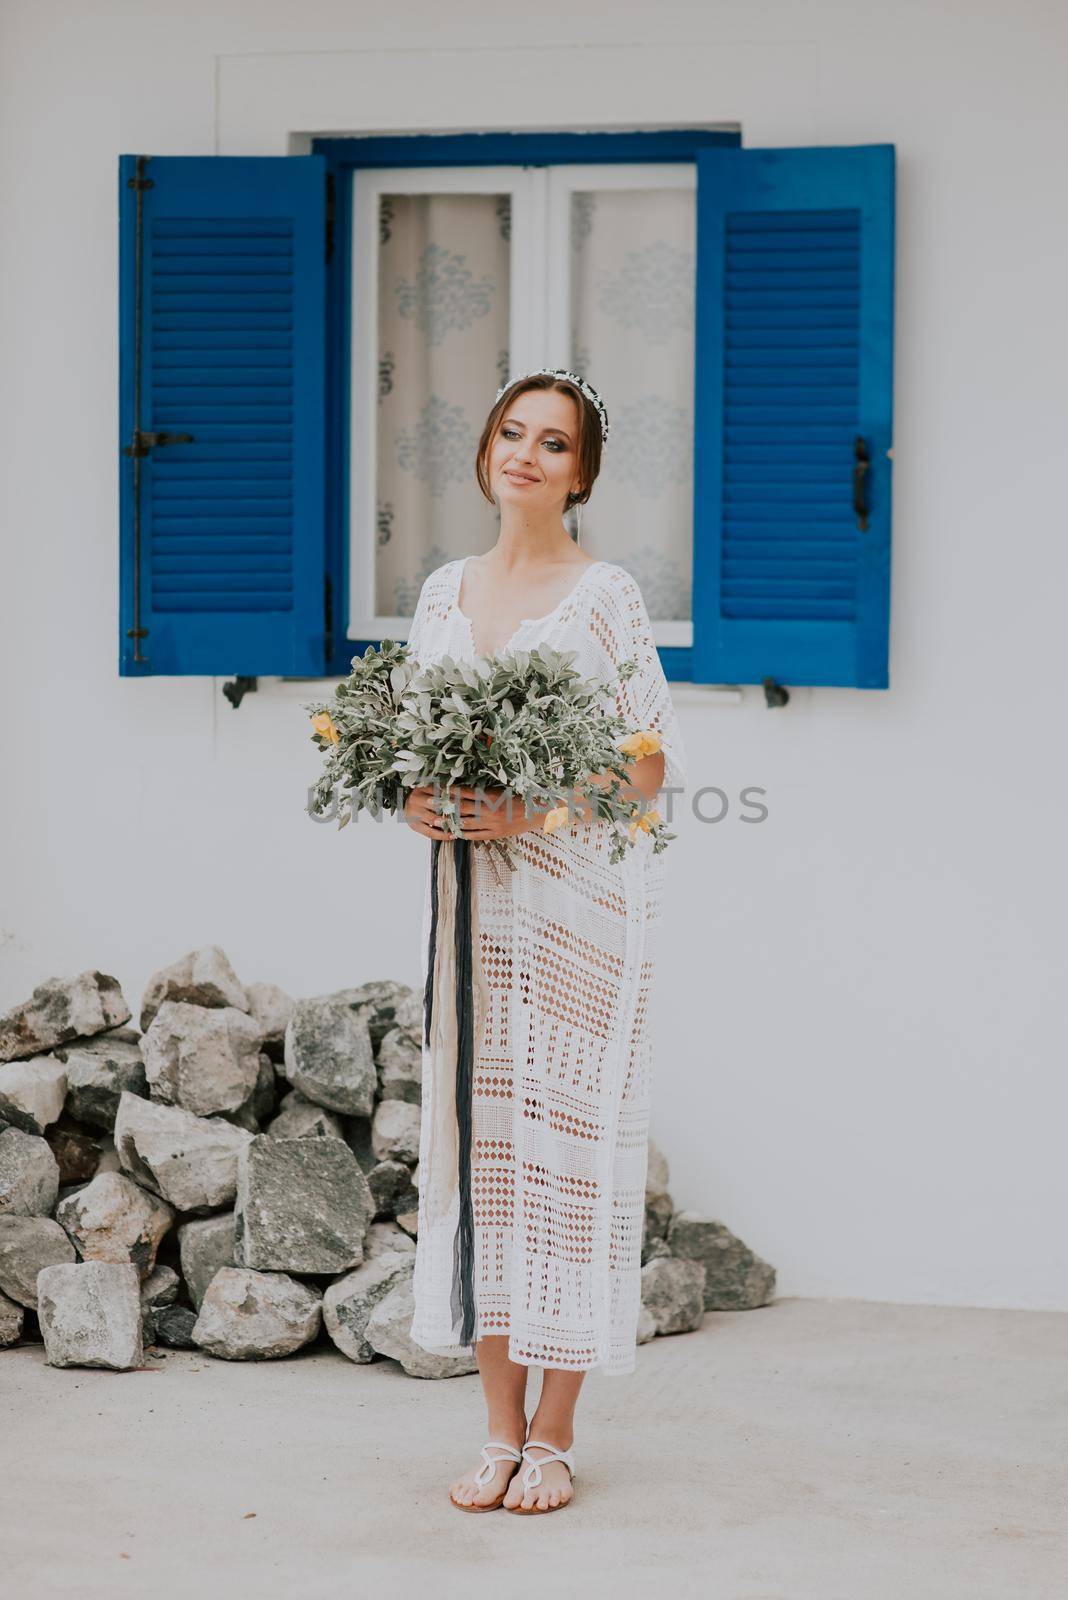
column 532, row 1473
column 485, row 1474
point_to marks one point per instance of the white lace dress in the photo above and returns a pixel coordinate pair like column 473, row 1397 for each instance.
column 562, row 1070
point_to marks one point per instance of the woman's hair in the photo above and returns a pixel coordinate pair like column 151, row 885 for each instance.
column 589, row 433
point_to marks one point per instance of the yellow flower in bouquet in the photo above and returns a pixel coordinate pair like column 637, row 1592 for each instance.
column 556, row 818
column 323, row 723
column 647, row 820
column 645, row 743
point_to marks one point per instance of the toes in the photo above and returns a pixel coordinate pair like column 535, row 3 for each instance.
column 554, row 1498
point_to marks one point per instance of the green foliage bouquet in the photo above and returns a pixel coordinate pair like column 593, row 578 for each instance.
column 525, row 722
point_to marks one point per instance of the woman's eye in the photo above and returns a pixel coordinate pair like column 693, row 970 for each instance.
column 557, row 442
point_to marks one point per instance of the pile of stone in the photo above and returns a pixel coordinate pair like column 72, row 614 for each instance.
column 240, row 1175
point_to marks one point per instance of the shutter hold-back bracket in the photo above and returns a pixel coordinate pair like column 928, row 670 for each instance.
column 235, row 689
column 775, row 694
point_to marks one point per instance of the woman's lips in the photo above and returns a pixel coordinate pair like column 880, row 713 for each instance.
column 519, row 477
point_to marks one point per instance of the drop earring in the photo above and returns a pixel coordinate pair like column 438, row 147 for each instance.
column 576, row 508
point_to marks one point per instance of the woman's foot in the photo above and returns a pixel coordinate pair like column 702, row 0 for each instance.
column 465, row 1491
column 555, row 1486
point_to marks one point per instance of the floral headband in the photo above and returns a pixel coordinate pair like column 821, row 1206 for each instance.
column 573, row 377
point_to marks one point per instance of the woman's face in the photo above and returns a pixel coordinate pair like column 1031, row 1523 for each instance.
column 533, row 457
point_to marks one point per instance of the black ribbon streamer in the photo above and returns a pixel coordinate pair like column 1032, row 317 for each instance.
column 463, row 1285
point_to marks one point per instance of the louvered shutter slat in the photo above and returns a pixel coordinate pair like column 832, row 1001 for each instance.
column 232, row 544
column 795, row 279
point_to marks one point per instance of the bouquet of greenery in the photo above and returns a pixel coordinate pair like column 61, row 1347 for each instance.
column 525, row 722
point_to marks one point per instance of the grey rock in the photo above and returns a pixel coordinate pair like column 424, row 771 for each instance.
column 657, row 1176
column 388, row 1331
column 114, row 1219
column 646, row 1328
column 248, row 1316
column 259, row 1107
column 201, row 1058
column 400, row 1068
column 109, row 1156
column 270, row 1009
column 395, row 1131
column 26, row 1245
column 160, row 1288
column 658, row 1213
column 409, row 1221
column 348, row 1303
column 358, row 1139
column 204, row 1246
column 202, row 978
column 303, row 1205
column 381, row 1002
column 300, row 1118
column 90, row 1315
column 98, row 1070
column 735, row 1278
column 191, row 1161
column 673, row 1293
column 59, row 1009
column 173, row 1326
column 392, row 1189
column 11, row 1320
column 656, row 1249
column 76, row 1149
column 265, row 1094
column 328, row 1055
column 383, row 1236
column 408, row 1013
column 32, row 1093
column 29, row 1175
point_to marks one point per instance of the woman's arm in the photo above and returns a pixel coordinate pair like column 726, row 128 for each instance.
column 645, row 776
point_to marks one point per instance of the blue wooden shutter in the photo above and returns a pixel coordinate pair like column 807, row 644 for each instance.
column 794, row 367
column 222, row 339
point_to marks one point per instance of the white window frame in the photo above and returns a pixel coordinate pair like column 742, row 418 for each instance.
column 539, row 318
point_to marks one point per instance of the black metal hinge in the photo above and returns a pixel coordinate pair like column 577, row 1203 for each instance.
column 144, row 442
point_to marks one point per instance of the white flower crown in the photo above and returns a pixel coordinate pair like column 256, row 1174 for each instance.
column 573, row 377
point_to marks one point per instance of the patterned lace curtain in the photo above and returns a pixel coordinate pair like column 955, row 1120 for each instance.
column 443, row 320
column 443, row 335
column 632, row 327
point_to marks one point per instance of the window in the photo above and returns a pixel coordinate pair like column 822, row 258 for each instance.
column 464, row 276
column 310, row 344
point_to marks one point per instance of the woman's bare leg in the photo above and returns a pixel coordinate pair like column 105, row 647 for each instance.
column 553, row 1422
column 504, row 1384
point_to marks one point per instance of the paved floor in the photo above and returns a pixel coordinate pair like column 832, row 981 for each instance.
column 813, row 1450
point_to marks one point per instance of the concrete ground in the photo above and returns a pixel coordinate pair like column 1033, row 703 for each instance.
column 812, row 1450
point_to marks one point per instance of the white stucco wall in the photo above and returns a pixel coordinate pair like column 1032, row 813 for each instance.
column 860, row 1016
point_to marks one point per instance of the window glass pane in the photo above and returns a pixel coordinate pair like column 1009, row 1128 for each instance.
column 632, row 330
column 443, row 320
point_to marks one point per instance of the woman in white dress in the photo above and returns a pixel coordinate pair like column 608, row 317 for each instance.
column 566, row 956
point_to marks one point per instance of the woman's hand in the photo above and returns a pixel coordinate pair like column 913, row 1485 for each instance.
column 484, row 814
